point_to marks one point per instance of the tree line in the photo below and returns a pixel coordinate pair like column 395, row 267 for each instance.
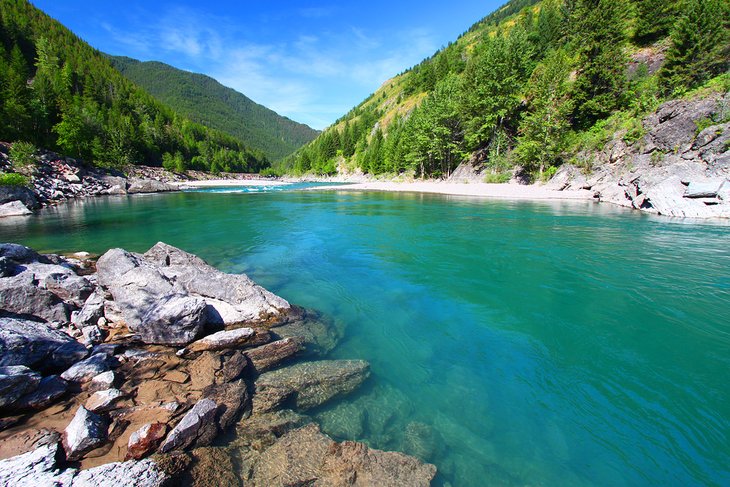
column 528, row 84
column 59, row 93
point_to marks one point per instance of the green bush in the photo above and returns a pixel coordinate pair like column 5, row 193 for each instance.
column 13, row 179
column 22, row 155
column 497, row 177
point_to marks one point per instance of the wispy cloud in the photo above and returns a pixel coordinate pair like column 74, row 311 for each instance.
column 313, row 78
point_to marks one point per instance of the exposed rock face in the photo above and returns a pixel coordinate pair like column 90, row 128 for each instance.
column 197, row 428
column 308, row 384
column 145, row 440
column 18, row 193
column 16, row 381
column 37, row 345
column 174, row 320
column 673, row 171
column 307, row 457
column 85, row 432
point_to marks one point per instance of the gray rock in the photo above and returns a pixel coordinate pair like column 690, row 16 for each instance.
column 144, row 473
column 149, row 186
column 16, row 381
column 14, row 208
column 319, row 334
column 15, row 193
column 49, row 390
column 174, row 320
column 113, row 264
column 92, row 311
column 20, row 295
column 307, row 385
column 37, row 345
column 305, row 456
column 222, row 340
column 704, row 189
column 35, row 468
column 19, row 253
column 87, row 369
column 92, row 334
column 197, row 428
column 102, row 401
column 7, row 268
column 69, row 287
column 272, row 354
column 86, row 432
column 103, row 381
column 674, row 126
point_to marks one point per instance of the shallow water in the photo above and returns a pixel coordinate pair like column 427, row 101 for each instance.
column 511, row 343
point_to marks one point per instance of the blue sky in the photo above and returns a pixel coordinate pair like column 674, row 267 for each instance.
column 309, row 61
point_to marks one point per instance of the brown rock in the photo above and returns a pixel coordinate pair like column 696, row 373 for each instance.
column 234, row 365
column 267, row 356
column 214, row 466
column 145, row 440
column 233, row 402
column 223, row 340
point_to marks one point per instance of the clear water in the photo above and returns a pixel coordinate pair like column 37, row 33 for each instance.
column 511, row 343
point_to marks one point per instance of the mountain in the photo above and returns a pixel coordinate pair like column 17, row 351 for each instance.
column 530, row 87
column 58, row 92
column 206, row 101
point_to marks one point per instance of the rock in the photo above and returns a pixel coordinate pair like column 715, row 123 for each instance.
column 673, row 125
column 197, row 428
column 345, row 421
column 222, row 340
column 14, row 208
column 87, row 369
column 704, row 189
column 19, row 193
column 233, row 298
column 19, row 295
column 174, row 320
column 233, row 402
column 260, row 431
column 307, row 385
column 69, row 287
column 214, row 466
column 149, row 186
column 16, row 381
column 49, row 390
column 19, row 253
column 145, row 440
column 305, row 456
column 86, row 432
column 92, row 334
column 91, row 312
column 37, row 345
column 320, row 335
column 114, row 264
column 7, row 268
column 35, row 468
column 234, row 364
column 103, row 381
column 102, row 401
column 272, row 354
column 421, row 441
column 122, row 474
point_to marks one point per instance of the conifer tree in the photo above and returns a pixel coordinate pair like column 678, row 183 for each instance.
column 700, row 45
column 654, row 19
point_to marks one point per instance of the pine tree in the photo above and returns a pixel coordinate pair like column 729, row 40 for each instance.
column 598, row 34
column 654, row 19
column 700, row 45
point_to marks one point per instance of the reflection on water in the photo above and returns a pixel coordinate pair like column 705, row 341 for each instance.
column 511, row 343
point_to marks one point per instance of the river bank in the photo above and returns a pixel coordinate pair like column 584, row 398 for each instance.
column 107, row 362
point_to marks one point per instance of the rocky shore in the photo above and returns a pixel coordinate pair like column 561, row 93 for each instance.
column 157, row 369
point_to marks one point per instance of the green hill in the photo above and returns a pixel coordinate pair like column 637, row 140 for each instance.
column 58, row 92
column 529, row 86
column 206, row 101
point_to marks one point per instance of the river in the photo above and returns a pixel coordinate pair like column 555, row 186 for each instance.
column 511, row 343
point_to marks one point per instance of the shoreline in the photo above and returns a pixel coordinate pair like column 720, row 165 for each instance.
column 226, row 183
column 505, row 191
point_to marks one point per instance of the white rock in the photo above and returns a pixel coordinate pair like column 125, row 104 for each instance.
column 84, row 433
column 102, row 401
column 14, row 208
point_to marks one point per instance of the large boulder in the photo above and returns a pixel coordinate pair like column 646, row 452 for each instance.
column 175, row 320
column 20, row 295
column 14, row 208
column 49, row 390
column 305, row 456
column 37, row 345
column 19, row 193
column 20, row 253
column 149, row 186
column 233, row 298
column 309, row 384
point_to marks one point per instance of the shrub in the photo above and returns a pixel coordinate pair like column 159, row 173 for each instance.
column 13, row 179
column 22, row 155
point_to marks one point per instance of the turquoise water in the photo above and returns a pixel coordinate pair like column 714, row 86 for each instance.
column 511, row 343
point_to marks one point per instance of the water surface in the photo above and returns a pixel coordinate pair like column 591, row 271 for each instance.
column 511, row 343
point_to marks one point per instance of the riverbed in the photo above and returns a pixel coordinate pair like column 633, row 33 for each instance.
column 511, row 342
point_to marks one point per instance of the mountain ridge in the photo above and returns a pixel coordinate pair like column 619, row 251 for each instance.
column 207, row 101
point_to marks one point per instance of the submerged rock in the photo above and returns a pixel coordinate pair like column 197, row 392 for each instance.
column 308, row 384
column 305, row 456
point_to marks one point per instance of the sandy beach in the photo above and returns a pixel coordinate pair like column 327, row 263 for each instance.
column 227, row 183
column 486, row 190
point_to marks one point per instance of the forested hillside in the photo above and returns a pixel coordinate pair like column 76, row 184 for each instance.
column 206, row 101
column 530, row 86
column 59, row 93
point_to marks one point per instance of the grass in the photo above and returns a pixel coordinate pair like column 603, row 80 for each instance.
column 13, row 179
